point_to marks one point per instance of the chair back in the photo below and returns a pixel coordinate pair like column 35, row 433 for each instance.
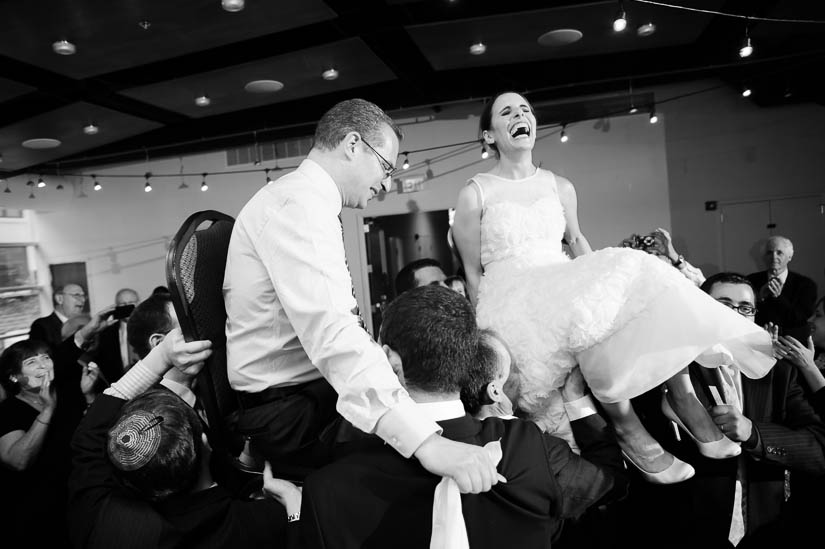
column 195, row 266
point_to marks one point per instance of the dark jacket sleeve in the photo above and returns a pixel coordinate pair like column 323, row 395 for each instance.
column 91, row 481
column 593, row 478
column 798, row 442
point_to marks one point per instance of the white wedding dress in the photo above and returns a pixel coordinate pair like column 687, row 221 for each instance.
column 630, row 320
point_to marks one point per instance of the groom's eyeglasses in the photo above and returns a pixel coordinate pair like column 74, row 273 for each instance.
column 389, row 169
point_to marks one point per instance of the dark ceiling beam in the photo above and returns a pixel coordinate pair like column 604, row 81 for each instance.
column 56, row 90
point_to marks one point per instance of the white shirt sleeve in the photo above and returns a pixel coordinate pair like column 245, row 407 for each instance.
column 303, row 252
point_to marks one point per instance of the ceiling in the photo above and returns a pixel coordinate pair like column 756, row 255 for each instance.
column 140, row 64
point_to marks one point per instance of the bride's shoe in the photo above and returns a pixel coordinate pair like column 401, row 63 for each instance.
column 678, row 471
column 718, row 449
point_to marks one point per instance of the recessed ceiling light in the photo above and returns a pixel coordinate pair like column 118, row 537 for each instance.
column 41, row 143
column 90, row 129
column 264, row 86
column 646, row 30
column 560, row 37
column 329, row 74
column 232, row 5
column 478, row 48
column 202, row 101
column 64, row 47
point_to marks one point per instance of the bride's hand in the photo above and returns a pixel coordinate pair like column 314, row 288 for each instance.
column 574, row 386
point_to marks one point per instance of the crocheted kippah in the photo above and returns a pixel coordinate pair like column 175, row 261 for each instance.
column 134, row 440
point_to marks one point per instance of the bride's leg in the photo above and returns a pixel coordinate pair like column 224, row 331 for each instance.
column 685, row 403
column 635, row 441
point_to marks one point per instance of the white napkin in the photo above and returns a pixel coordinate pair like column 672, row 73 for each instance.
column 449, row 530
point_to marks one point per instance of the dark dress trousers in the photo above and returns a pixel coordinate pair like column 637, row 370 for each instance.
column 373, row 497
column 791, row 309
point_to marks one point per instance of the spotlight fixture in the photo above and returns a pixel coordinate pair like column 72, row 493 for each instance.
column 7, row 186
column 90, row 129
column 40, row 182
column 59, row 187
column 204, row 186
column 147, row 188
column 268, row 179
column 484, row 153
column 97, row 185
column 406, row 164
column 746, row 91
column 646, row 30
column 620, row 22
column 232, row 6
column 31, row 195
column 653, row 116
column 202, row 101
column 329, row 74
column 478, row 48
column 747, row 47
column 563, row 137
column 30, row 183
column 144, row 24
column 64, row 47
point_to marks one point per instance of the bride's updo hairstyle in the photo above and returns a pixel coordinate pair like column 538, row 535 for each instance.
column 486, row 119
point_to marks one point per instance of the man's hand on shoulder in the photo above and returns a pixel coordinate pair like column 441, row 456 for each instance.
column 470, row 466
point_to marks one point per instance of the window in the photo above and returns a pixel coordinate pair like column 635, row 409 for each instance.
column 19, row 293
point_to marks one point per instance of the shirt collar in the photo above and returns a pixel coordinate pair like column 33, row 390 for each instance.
column 325, row 182
column 783, row 276
column 184, row 392
column 63, row 318
column 440, row 411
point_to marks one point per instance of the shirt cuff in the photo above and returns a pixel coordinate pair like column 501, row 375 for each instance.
column 405, row 428
column 138, row 379
column 580, row 408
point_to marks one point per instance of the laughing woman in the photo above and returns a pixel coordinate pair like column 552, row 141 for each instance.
column 628, row 320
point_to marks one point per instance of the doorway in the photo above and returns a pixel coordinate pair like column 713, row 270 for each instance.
column 392, row 241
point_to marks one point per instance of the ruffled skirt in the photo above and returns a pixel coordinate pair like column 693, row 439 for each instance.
column 627, row 318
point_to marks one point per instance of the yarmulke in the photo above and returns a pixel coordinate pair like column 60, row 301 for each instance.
column 134, row 440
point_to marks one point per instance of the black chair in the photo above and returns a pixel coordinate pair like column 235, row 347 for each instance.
column 195, row 266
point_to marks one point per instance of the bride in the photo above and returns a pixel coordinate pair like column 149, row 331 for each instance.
column 630, row 321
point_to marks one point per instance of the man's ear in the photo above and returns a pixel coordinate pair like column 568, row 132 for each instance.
column 494, row 392
column 155, row 339
column 350, row 141
column 395, row 361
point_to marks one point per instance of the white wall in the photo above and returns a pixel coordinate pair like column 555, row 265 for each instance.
column 633, row 178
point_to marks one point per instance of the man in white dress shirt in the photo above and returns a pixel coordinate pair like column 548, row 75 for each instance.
column 295, row 343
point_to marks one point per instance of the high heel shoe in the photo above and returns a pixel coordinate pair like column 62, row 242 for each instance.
column 718, row 449
column 678, row 471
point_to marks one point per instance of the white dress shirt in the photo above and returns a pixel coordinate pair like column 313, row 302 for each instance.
column 289, row 302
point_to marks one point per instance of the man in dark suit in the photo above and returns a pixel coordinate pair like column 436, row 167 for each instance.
column 784, row 298
column 114, row 355
column 420, row 272
column 778, row 429
column 68, row 302
column 372, row 497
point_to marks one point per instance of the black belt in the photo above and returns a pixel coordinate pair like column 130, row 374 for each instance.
column 250, row 400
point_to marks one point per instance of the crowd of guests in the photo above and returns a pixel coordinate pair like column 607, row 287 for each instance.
column 413, row 439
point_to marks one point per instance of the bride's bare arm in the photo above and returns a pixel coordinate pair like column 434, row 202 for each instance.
column 467, row 238
column 572, row 234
